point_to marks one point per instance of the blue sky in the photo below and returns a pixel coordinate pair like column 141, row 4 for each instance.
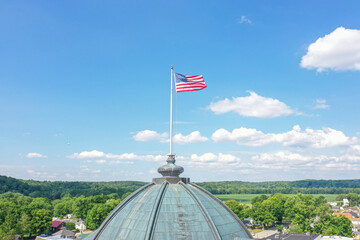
column 85, row 85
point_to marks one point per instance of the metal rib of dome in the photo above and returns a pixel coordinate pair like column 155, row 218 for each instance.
column 171, row 211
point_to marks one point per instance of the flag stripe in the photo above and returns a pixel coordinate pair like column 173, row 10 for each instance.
column 194, row 83
column 187, row 83
column 194, row 77
column 190, row 86
column 190, row 90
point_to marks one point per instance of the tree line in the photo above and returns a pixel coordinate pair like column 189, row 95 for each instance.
column 285, row 187
column 57, row 189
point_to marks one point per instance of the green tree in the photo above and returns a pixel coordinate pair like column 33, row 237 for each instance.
column 41, row 203
column 259, row 199
column 41, row 221
column 334, row 225
column 276, row 206
column 96, row 215
column 340, row 197
column 112, row 203
column 260, row 214
column 70, row 226
column 62, row 208
column 125, row 195
column 9, row 227
column 81, row 206
column 294, row 228
column 280, row 228
column 24, row 224
column 241, row 210
column 353, row 199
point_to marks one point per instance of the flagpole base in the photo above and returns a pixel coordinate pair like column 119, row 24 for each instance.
column 171, row 180
column 170, row 169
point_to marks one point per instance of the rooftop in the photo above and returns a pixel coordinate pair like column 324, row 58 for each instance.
column 293, row 236
column 171, row 208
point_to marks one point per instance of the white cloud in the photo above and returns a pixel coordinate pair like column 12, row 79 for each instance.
column 121, row 162
column 35, row 155
column 153, row 171
column 321, row 104
column 212, row 160
column 68, row 175
column 100, row 161
column 285, row 160
column 149, row 135
column 281, row 157
column 38, row 174
column 339, row 50
column 124, row 156
column 132, row 156
column 252, row 106
column 294, row 161
column 85, row 154
column 355, row 149
column 207, row 157
column 84, row 168
column 193, row 137
column 244, row 19
column 323, row 138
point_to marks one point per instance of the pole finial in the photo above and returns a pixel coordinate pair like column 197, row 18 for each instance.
column 172, row 66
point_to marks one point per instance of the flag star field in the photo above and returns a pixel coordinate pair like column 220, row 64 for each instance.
column 85, row 89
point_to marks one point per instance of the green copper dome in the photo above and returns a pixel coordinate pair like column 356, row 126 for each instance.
column 171, row 208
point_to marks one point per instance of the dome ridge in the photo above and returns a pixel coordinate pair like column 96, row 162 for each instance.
column 117, row 209
column 155, row 211
column 224, row 206
column 203, row 209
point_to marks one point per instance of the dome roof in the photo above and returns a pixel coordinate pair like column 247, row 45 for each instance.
column 171, row 211
column 171, row 208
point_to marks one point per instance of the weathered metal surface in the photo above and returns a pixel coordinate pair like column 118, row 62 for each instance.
column 132, row 221
column 171, row 211
column 171, row 180
column 170, row 169
column 155, row 211
column 227, row 223
column 181, row 218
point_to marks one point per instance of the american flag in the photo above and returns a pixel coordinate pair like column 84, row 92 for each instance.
column 187, row 83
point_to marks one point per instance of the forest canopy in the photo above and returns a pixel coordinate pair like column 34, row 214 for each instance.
column 57, row 189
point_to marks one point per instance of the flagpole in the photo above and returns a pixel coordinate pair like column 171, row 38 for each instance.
column 171, row 109
column 171, row 170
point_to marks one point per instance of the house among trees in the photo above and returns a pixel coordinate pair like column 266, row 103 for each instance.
column 64, row 233
column 61, row 234
column 69, row 216
column 56, row 226
column 80, row 225
column 335, row 238
column 294, row 236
